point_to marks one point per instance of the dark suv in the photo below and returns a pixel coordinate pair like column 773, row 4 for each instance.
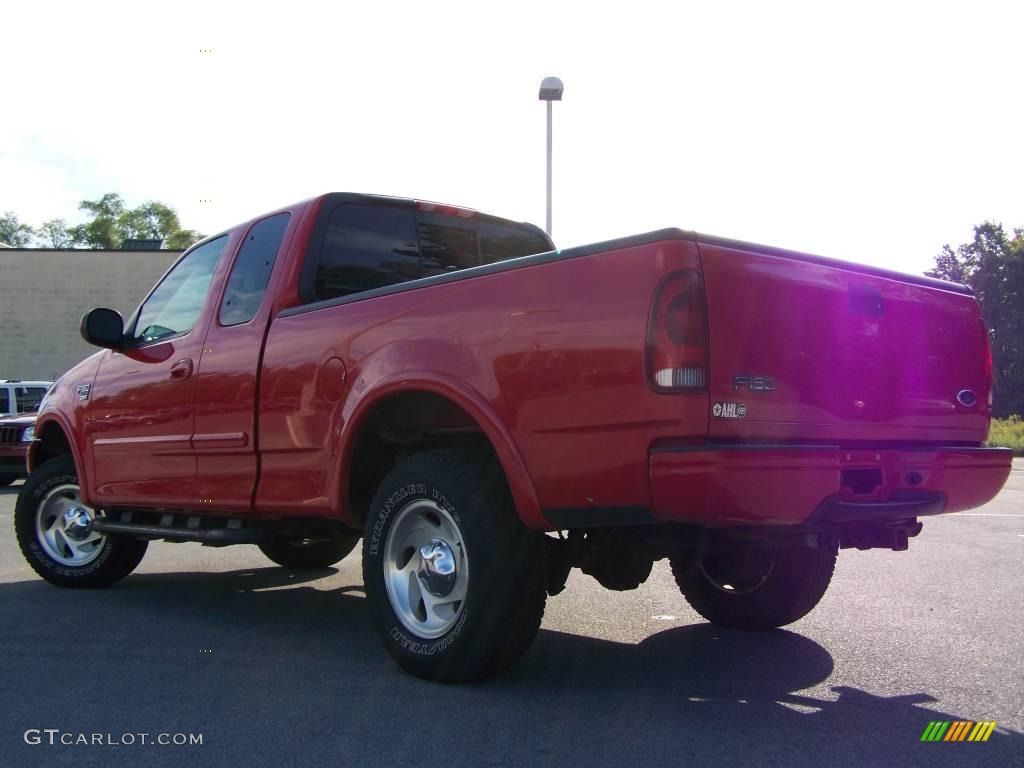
column 19, row 401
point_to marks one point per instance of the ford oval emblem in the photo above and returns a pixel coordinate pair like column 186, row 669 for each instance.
column 966, row 398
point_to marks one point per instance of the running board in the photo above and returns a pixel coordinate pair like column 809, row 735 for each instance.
column 232, row 533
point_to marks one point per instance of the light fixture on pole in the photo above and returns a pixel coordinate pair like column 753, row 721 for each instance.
column 550, row 90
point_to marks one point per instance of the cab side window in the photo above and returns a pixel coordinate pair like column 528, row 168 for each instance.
column 251, row 271
column 173, row 308
column 366, row 247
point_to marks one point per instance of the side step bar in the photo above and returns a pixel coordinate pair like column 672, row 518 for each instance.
column 180, row 527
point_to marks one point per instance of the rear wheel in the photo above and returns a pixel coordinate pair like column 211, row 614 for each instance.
column 54, row 530
column 302, row 554
column 753, row 585
column 455, row 583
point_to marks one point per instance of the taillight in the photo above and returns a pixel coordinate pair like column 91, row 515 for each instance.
column 677, row 337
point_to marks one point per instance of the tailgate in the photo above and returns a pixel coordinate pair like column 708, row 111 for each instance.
column 805, row 349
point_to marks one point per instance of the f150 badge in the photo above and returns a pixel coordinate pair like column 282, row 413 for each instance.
column 753, row 383
column 729, row 410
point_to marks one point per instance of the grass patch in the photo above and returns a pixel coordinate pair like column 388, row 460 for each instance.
column 1007, row 433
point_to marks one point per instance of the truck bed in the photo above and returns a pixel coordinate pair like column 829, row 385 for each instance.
column 549, row 352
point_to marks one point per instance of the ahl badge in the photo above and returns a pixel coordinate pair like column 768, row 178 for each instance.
column 729, row 410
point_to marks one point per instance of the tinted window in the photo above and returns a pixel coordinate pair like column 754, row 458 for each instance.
column 366, row 247
column 175, row 304
column 5, row 401
column 501, row 241
column 447, row 243
column 29, row 398
column 251, row 272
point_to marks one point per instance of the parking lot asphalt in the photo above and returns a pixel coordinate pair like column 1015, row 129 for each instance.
column 282, row 668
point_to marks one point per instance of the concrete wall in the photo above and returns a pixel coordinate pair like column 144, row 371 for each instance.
column 44, row 293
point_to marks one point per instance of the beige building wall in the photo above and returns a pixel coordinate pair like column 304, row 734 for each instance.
column 44, row 293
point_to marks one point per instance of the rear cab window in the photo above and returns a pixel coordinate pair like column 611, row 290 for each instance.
column 362, row 246
column 447, row 243
column 500, row 241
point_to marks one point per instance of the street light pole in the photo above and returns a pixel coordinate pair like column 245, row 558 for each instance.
column 548, row 227
column 550, row 90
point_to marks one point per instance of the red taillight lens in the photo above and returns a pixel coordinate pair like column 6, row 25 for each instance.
column 677, row 337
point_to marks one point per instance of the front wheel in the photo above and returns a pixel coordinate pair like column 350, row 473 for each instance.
column 54, row 530
column 455, row 583
column 752, row 585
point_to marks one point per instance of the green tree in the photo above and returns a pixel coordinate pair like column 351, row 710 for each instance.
column 103, row 231
column 155, row 220
column 150, row 220
column 183, row 238
column 992, row 264
column 13, row 232
column 54, row 234
column 112, row 223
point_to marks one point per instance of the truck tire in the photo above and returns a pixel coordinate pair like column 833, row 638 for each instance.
column 52, row 527
column 301, row 554
column 455, row 584
column 755, row 587
column 6, row 480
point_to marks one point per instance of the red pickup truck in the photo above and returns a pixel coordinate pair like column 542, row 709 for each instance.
column 486, row 412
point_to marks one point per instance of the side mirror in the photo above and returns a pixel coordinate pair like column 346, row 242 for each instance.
column 103, row 327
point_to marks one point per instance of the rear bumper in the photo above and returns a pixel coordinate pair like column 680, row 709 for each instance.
column 792, row 485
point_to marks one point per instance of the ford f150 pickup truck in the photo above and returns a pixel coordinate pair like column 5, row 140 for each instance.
column 486, row 413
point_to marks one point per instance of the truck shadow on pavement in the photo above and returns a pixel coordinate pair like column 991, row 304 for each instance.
column 268, row 666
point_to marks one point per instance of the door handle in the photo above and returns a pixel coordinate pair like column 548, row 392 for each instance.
column 181, row 369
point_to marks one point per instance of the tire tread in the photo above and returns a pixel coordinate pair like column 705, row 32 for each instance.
column 126, row 552
column 796, row 585
column 504, row 636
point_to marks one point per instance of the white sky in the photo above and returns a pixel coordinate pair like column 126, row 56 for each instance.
column 872, row 132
